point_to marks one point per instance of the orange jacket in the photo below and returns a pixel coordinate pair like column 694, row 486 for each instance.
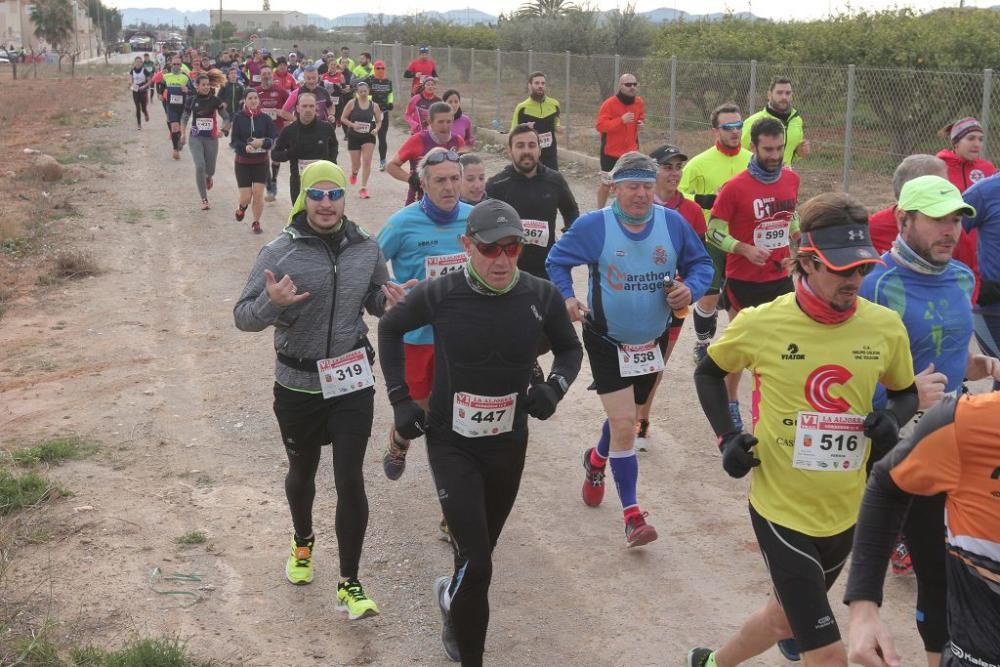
column 617, row 136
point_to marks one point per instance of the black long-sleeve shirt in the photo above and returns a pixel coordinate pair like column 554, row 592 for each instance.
column 539, row 197
column 483, row 344
column 299, row 143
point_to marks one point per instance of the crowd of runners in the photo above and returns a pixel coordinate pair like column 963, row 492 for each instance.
column 860, row 333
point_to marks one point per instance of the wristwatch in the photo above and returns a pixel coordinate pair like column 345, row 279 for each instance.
column 561, row 381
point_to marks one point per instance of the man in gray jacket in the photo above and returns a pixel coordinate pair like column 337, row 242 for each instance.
column 312, row 283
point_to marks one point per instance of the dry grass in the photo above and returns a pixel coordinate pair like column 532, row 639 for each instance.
column 74, row 264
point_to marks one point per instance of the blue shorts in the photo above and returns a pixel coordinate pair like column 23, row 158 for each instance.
column 174, row 113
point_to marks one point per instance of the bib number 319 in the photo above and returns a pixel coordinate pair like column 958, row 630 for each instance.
column 345, row 374
column 479, row 416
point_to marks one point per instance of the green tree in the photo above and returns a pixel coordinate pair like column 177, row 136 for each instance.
column 53, row 21
column 223, row 31
column 545, row 9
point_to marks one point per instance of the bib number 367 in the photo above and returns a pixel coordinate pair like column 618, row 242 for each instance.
column 345, row 374
column 829, row 442
column 477, row 416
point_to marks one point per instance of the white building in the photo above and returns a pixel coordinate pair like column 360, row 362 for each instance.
column 17, row 29
column 254, row 20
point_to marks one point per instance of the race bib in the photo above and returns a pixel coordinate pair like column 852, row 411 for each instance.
column 203, row 124
column 639, row 359
column 771, row 235
column 829, row 442
column 135, row 88
column 303, row 164
column 480, row 416
column 345, row 374
column 255, row 78
column 439, row 265
column 272, row 113
column 536, row 232
column 176, row 99
column 363, row 128
column 545, row 139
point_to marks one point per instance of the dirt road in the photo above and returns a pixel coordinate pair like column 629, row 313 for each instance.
column 145, row 359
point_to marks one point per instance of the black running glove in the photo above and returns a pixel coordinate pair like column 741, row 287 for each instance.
column 408, row 418
column 542, row 399
column 882, row 427
column 737, row 459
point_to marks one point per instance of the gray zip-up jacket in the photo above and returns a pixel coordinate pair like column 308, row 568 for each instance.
column 343, row 280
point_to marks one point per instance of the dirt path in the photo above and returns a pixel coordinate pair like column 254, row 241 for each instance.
column 145, row 358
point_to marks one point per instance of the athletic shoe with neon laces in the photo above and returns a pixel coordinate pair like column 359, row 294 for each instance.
column 901, row 561
column 593, row 482
column 394, row 458
column 352, row 599
column 734, row 413
column 642, row 442
column 700, row 352
column 638, row 532
column 790, row 649
column 299, row 568
column 701, row 657
column 447, row 631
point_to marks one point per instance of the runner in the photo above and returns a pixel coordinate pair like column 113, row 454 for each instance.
column 419, row 68
column 362, row 118
column 232, row 97
column 629, row 248
column 363, row 69
column 289, row 288
column 463, row 124
column 931, row 292
column 779, row 106
column 816, row 356
column 438, row 134
column 254, row 64
column 282, row 77
column 253, row 133
column 984, row 196
column 473, row 179
column 618, row 120
column 176, row 89
column 486, row 315
column 140, row 81
column 303, row 142
column 381, row 90
column 422, row 241
column 310, row 84
column 201, row 110
column 704, row 176
column 953, row 452
column 345, row 61
column 670, row 162
column 418, row 109
column 272, row 103
column 753, row 221
column 882, row 224
column 541, row 113
column 150, row 67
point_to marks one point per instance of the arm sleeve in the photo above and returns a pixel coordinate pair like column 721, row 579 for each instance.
column 254, row 311
column 375, row 299
column 710, row 383
column 694, row 264
column 407, row 315
column 719, row 236
column 281, row 151
column 566, row 349
column 408, row 72
column 568, row 207
column 289, row 104
column 411, row 116
column 514, row 119
column 580, row 245
column 925, row 464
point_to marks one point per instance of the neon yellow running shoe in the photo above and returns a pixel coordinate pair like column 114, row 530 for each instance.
column 299, row 568
column 352, row 599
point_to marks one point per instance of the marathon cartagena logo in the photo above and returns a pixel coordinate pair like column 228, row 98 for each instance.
column 818, row 385
column 620, row 281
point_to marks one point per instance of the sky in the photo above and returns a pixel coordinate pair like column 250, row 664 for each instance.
column 776, row 9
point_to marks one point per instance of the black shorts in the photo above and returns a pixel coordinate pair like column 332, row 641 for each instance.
column 742, row 294
column 356, row 141
column 309, row 420
column 603, row 356
column 803, row 568
column 607, row 163
column 248, row 174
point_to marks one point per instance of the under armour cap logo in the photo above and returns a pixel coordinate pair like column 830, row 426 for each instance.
column 501, row 219
column 856, row 235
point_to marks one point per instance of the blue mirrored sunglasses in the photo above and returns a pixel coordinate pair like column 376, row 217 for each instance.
column 317, row 194
column 732, row 126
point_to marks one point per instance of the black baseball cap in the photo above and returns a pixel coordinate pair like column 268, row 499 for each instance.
column 666, row 152
column 491, row 220
column 841, row 247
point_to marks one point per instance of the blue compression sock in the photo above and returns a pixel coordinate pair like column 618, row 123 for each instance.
column 604, row 444
column 625, row 470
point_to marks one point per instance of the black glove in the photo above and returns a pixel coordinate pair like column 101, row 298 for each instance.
column 882, row 426
column 737, row 460
column 409, row 418
column 542, row 399
column 414, row 181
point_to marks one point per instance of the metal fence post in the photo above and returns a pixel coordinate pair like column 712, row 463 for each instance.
column 673, row 99
column 531, row 61
column 752, row 94
column 984, row 118
column 496, row 117
column 565, row 110
column 449, row 62
column 618, row 71
column 397, row 54
column 848, row 128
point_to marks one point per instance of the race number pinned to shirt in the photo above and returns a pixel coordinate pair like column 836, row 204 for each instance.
column 536, row 232
column 771, row 234
column 639, row 359
column 272, row 113
column 303, row 164
column 255, row 78
column 545, row 140
column 479, row 416
column 363, row 128
column 203, row 124
column 829, row 442
column 439, row 265
column 176, row 99
column 345, row 374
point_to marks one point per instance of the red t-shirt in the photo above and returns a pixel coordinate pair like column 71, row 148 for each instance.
column 689, row 211
column 418, row 67
column 271, row 102
column 413, row 148
column 286, row 81
column 883, row 229
column 758, row 214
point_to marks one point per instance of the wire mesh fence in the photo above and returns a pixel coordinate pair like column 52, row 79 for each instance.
column 860, row 122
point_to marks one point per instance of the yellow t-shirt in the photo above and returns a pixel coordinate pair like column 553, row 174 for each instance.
column 800, row 365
